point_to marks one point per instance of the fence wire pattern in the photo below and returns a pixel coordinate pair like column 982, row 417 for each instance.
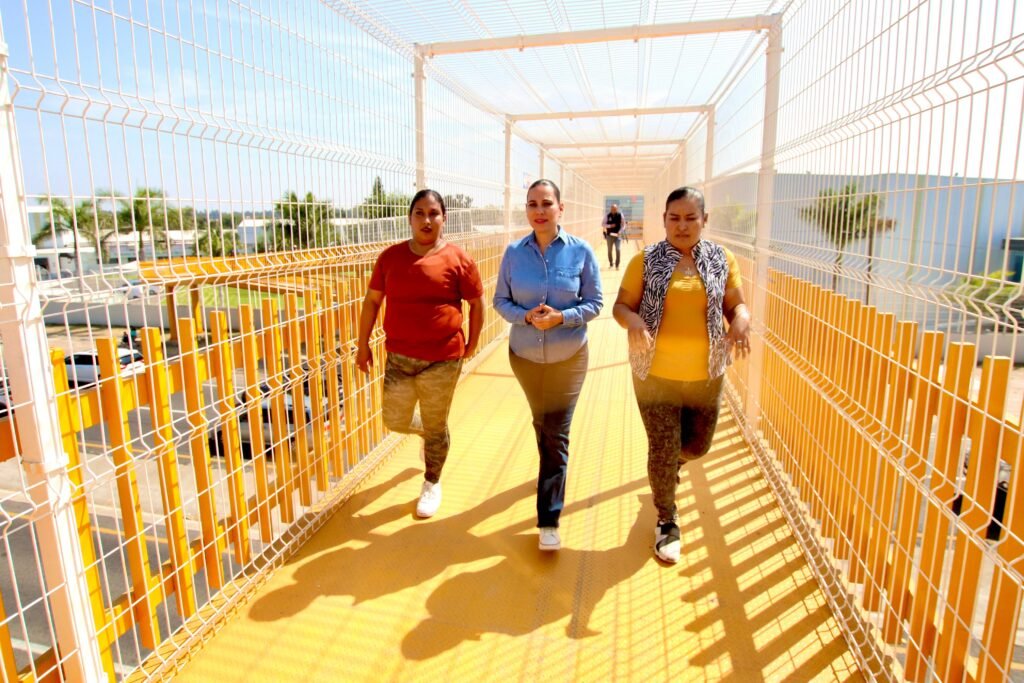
column 220, row 177
column 193, row 197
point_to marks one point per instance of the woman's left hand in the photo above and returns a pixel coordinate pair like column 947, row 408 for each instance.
column 739, row 335
column 547, row 317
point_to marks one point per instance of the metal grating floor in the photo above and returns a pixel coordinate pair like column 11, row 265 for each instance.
column 378, row 595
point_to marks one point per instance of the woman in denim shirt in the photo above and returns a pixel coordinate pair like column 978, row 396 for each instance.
column 549, row 288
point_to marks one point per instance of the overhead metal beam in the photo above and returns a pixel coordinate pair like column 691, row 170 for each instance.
column 596, row 113
column 621, row 143
column 634, row 33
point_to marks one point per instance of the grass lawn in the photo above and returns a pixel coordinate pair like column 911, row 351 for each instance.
column 231, row 297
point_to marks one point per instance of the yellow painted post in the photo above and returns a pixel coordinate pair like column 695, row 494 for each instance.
column 985, row 425
column 378, row 391
column 315, row 381
column 167, row 466
column 332, row 360
column 351, row 412
column 69, row 426
column 8, row 665
column 254, row 399
column 285, row 479
column 293, row 346
column 865, row 454
column 172, row 312
column 922, row 386
column 899, row 374
column 192, row 379
column 223, row 356
column 951, row 425
column 116, row 426
column 877, row 522
column 1005, row 596
column 195, row 295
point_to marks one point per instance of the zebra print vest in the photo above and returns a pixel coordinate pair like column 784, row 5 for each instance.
column 713, row 267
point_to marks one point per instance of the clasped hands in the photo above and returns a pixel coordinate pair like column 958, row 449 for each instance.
column 543, row 317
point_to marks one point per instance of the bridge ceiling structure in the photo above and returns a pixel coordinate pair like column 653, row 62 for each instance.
column 598, row 85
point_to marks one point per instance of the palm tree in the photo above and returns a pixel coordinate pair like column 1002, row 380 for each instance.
column 303, row 223
column 145, row 212
column 82, row 219
column 844, row 218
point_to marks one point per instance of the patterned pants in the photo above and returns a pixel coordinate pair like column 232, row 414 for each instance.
column 680, row 419
column 408, row 381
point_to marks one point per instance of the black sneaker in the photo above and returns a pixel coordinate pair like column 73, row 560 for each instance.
column 667, row 542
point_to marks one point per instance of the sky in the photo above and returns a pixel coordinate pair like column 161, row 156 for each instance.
column 227, row 104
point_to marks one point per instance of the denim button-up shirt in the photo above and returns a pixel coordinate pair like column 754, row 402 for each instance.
column 566, row 277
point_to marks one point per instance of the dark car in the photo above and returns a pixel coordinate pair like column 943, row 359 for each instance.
column 216, row 438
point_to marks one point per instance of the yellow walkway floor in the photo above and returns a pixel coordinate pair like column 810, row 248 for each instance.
column 377, row 595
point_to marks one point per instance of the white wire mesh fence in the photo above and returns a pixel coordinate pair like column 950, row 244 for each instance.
column 206, row 186
column 890, row 390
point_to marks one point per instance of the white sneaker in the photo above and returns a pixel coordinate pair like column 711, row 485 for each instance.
column 666, row 542
column 549, row 538
column 430, row 500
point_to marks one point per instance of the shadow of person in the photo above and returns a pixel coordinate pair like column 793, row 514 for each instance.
column 527, row 590
column 371, row 564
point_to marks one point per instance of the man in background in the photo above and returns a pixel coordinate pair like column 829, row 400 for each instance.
column 612, row 230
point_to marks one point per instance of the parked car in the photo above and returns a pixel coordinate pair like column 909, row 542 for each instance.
column 6, row 403
column 216, row 438
column 84, row 368
column 137, row 289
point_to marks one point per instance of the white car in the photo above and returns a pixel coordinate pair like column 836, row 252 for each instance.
column 84, row 368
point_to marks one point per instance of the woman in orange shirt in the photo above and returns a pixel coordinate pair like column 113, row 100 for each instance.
column 673, row 299
column 425, row 280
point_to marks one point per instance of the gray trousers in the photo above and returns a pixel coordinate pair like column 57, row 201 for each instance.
column 408, row 381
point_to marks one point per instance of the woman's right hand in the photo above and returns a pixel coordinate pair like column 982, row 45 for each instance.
column 364, row 358
column 639, row 338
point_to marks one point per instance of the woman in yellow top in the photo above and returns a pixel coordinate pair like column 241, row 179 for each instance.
column 673, row 299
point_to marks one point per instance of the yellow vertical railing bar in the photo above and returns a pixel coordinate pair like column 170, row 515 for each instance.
column 8, row 665
column 254, row 408
column 223, row 357
column 272, row 366
column 315, row 382
column 347, row 380
column 829, row 426
column 199, row 449
column 895, row 415
column 167, row 467
column 378, row 392
column 80, row 504
column 1005, row 595
column 951, row 425
column 865, row 454
column 816, row 408
column 195, row 296
column 332, row 360
column 841, row 452
column 923, row 381
column 293, row 346
column 115, row 419
column 876, row 524
column 985, row 427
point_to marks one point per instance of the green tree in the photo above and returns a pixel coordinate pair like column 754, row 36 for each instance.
column 217, row 237
column 81, row 220
column 303, row 223
column 844, row 218
column 144, row 213
column 458, row 201
column 382, row 204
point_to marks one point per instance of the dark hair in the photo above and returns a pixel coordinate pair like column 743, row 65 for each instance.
column 549, row 183
column 686, row 193
column 428, row 193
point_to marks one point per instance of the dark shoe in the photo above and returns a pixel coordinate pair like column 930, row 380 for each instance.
column 667, row 542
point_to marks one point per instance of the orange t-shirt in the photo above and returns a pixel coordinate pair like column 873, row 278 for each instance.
column 423, row 316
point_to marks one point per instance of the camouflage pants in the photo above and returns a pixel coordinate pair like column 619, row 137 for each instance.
column 408, row 381
column 680, row 420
